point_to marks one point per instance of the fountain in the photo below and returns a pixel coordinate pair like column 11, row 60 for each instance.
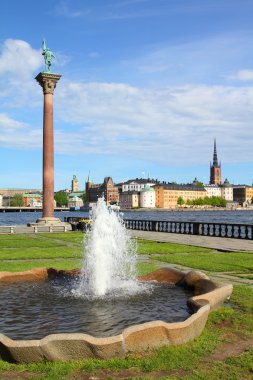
column 105, row 310
column 110, row 260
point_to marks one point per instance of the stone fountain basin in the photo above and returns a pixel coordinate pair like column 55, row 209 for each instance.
column 142, row 337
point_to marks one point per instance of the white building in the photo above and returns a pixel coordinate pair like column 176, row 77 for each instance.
column 75, row 202
column 227, row 191
column 147, row 197
column 213, row 190
column 137, row 184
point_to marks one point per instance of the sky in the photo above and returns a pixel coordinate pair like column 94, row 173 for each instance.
column 146, row 86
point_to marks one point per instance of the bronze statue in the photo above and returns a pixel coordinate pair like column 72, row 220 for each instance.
column 48, row 56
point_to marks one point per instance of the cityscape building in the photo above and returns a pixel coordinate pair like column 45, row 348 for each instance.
column 167, row 194
column 138, row 184
column 129, row 199
column 147, row 197
column 107, row 189
column 74, row 184
column 215, row 168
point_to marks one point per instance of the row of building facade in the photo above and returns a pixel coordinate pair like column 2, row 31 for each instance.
column 143, row 192
column 151, row 193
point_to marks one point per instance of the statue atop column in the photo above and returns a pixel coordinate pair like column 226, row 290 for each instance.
column 48, row 56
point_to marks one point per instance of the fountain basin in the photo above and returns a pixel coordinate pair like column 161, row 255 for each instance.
column 208, row 296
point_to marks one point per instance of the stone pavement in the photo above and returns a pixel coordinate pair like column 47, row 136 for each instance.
column 223, row 244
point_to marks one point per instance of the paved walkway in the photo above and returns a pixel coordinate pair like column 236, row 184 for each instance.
column 223, row 244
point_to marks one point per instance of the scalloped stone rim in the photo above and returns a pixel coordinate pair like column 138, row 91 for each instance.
column 142, row 337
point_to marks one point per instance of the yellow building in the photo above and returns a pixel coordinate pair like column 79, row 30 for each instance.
column 167, row 194
column 242, row 193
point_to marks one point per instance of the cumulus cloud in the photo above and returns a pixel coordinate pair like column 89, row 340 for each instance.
column 18, row 58
column 16, row 134
column 167, row 125
column 18, row 63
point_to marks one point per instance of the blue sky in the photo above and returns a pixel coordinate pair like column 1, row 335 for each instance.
column 146, row 86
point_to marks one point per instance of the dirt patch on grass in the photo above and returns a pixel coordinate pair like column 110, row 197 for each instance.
column 10, row 375
column 234, row 348
column 125, row 374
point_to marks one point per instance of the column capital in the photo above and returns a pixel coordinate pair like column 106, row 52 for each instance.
column 48, row 81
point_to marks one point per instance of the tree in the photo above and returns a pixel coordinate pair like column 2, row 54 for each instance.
column 180, row 201
column 199, row 184
column 17, row 200
column 85, row 197
column 61, row 199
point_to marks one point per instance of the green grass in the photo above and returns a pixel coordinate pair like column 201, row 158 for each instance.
column 198, row 257
column 215, row 261
column 148, row 247
column 20, row 266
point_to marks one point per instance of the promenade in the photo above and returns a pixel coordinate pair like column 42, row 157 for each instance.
column 222, row 244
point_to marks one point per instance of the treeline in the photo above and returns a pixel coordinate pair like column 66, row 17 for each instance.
column 209, row 201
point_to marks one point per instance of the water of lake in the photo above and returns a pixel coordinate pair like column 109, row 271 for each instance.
column 242, row 216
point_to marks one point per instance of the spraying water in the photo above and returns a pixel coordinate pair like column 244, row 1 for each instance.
column 110, row 255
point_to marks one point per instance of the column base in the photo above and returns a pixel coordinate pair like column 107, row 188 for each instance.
column 48, row 221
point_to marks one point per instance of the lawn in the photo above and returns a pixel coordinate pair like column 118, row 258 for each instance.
column 208, row 357
column 198, row 257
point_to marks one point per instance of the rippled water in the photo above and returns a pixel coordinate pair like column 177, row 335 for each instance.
column 243, row 216
column 33, row 310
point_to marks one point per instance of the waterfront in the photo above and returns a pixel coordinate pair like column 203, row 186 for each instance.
column 242, row 216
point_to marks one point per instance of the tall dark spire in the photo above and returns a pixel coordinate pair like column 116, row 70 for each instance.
column 215, row 158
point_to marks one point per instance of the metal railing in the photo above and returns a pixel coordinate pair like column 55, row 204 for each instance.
column 226, row 230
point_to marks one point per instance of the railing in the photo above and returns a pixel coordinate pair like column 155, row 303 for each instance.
column 32, row 229
column 226, row 230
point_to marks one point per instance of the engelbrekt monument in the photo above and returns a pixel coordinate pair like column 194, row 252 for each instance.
column 48, row 81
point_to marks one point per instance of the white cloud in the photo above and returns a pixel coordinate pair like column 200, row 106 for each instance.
column 18, row 63
column 16, row 134
column 172, row 125
column 243, row 75
column 18, row 58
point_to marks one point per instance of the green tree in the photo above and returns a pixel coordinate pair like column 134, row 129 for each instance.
column 180, row 201
column 17, row 200
column 61, row 199
column 199, row 184
column 85, row 197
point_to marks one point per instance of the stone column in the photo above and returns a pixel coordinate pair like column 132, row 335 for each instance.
column 48, row 83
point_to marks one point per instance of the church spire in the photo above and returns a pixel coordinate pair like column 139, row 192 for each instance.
column 215, row 169
column 215, row 157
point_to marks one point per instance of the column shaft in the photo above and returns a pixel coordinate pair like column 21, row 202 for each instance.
column 48, row 157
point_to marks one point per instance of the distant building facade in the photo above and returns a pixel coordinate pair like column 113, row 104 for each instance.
column 75, row 202
column 147, row 197
column 213, row 190
column 129, row 199
column 227, row 191
column 106, row 189
column 215, row 169
column 12, row 192
column 167, row 194
column 74, row 184
column 242, row 194
column 32, row 199
column 138, row 184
